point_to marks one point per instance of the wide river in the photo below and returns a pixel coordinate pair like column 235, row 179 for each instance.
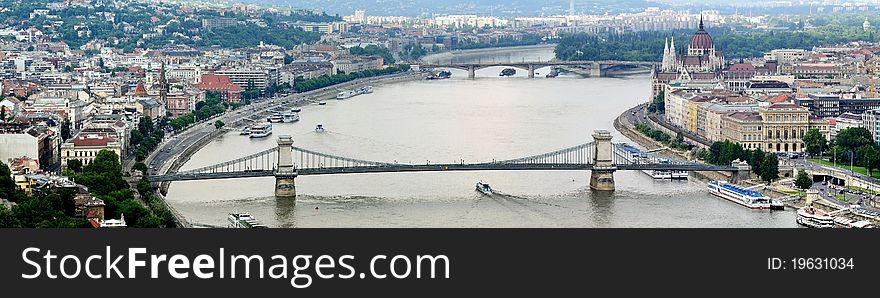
column 449, row 120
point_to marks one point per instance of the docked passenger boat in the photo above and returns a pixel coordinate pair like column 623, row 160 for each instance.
column 745, row 197
column 245, row 131
column 484, row 188
column 811, row 217
column 275, row 118
column 290, row 117
column 679, row 175
column 243, row 220
column 664, row 174
column 345, row 94
column 848, row 223
column 261, row 130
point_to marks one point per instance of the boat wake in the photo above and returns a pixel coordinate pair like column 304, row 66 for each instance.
column 522, row 198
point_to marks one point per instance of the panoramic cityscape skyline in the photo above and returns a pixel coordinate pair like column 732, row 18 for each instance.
column 146, row 114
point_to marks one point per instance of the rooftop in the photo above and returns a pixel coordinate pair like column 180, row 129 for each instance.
column 91, row 140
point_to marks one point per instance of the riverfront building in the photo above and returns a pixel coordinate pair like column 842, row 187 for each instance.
column 779, row 127
column 84, row 147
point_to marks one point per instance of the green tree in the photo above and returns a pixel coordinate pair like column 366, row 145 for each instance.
column 770, row 168
column 853, row 138
column 870, row 158
column 136, row 137
column 803, row 180
column 815, row 142
column 104, row 174
column 74, row 165
column 756, row 160
column 7, row 218
column 140, row 166
column 8, row 189
column 219, row 124
column 65, row 130
column 145, row 125
column 658, row 105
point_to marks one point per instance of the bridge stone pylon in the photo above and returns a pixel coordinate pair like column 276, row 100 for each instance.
column 602, row 174
column 595, row 70
column 285, row 173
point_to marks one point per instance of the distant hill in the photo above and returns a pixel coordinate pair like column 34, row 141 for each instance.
column 480, row 7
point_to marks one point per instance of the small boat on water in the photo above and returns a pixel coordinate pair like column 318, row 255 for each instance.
column 745, row 197
column 365, row 90
column 809, row 216
column 319, row 127
column 484, row 188
column 443, row 74
column 321, row 103
column 243, row 220
column 290, row 117
column 261, row 130
column 295, row 110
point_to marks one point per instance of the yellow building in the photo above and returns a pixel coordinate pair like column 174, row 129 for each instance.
column 744, row 128
column 779, row 127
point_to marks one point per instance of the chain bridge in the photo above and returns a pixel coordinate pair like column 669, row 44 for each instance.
column 285, row 162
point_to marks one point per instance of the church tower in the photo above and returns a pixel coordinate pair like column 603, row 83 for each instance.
column 664, row 64
column 163, row 85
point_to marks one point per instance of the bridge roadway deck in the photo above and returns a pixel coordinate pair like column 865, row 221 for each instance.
column 433, row 168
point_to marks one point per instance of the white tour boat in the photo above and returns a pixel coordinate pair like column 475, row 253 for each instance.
column 275, row 118
column 290, row 117
column 261, row 130
column 811, row 217
column 745, row 197
column 345, row 94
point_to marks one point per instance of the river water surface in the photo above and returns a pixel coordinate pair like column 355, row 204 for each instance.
column 457, row 119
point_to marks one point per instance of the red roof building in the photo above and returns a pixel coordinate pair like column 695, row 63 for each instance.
column 221, row 84
column 85, row 146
